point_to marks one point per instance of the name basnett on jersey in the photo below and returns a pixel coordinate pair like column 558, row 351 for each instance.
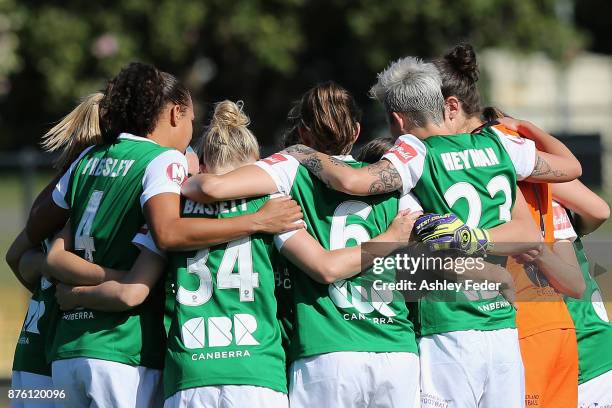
column 349, row 315
column 223, row 326
column 473, row 176
column 104, row 190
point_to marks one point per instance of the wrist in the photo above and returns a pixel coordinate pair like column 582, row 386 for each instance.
column 254, row 223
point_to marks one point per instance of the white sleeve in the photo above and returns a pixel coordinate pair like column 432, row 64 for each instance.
column 61, row 188
column 282, row 168
column 144, row 239
column 164, row 174
column 522, row 152
column 280, row 239
column 409, row 202
column 408, row 157
column 562, row 225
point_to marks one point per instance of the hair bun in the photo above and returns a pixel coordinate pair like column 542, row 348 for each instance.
column 462, row 58
column 229, row 114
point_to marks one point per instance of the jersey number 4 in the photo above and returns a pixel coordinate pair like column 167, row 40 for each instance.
column 83, row 241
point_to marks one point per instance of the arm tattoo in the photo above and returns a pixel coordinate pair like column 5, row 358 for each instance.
column 542, row 168
column 387, row 177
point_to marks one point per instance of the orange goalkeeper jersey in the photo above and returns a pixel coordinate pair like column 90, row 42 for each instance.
column 540, row 307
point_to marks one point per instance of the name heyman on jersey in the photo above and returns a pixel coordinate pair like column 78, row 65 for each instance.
column 466, row 159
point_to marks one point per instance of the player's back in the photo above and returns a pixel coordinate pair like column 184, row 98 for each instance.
column 104, row 195
column 472, row 176
column 223, row 326
column 104, row 198
column 349, row 315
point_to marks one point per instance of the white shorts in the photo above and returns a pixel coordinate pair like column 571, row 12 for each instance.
column 22, row 380
column 228, row 396
column 597, row 392
column 355, row 380
column 90, row 382
column 472, row 369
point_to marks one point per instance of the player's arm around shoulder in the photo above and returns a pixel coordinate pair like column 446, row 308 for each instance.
column 325, row 266
column 377, row 178
column 554, row 162
column 247, row 181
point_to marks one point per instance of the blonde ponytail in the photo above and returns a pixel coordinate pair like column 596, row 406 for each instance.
column 76, row 131
column 228, row 140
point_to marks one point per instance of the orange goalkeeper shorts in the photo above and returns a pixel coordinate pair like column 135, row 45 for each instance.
column 551, row 369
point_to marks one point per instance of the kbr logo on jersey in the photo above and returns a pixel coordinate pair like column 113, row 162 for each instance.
column 275, row 158
column 403, row 151
column 176, row 173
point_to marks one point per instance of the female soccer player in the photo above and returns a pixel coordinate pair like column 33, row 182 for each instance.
column 347, row 327
column 113, row 359
column 31, row 369
column 224, row 345
column 593, row 328
column 474, row 177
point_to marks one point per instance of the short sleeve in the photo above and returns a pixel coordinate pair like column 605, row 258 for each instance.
column 62, row 186
column 164, row 174
column 282, row 168
column 144, row 239
column 408, row 158
column 522, row 151
column 409, row 202
column 280, row 239
column 562, row 224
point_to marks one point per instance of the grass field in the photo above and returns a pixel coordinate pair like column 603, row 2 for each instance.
column 13, row 298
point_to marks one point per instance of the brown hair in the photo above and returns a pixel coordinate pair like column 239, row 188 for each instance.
column 374, row 150
column 459, row 71
column 227, row 139
column 76, row 131
column 329, row 112
column 134, row 99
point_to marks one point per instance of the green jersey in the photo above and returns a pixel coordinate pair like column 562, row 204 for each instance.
column 223, row 327
column 473, row 176
column 348, row 315
column 593, row 328
column 31, row 353
column 105, row 189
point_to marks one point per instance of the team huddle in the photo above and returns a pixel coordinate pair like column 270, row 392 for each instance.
column 164, row 276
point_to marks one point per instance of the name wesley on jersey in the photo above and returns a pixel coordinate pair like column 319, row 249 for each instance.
column 467, row 159
column 107, row 167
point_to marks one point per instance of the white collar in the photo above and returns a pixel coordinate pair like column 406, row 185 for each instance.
column 130, row 136
column 345, row 158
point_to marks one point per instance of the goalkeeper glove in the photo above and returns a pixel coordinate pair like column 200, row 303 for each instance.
column 447, row 231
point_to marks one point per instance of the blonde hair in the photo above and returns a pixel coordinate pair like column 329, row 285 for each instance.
column 76, row 131
column 227, row 139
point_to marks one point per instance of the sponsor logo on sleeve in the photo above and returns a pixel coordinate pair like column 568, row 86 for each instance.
column 274, row 159
column 403, row 151
column 176, row 173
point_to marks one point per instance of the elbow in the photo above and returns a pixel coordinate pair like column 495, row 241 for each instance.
column 12, row 259
column 350, row 184
column 577, row 290
column 327, row 274
column 576, row 170
column 131, row 297
column 164, row 238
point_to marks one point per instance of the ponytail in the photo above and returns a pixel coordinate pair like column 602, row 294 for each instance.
column 228, row 140
column 76, row 131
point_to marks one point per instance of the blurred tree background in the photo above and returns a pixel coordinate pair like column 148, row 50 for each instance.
column 265, row 52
